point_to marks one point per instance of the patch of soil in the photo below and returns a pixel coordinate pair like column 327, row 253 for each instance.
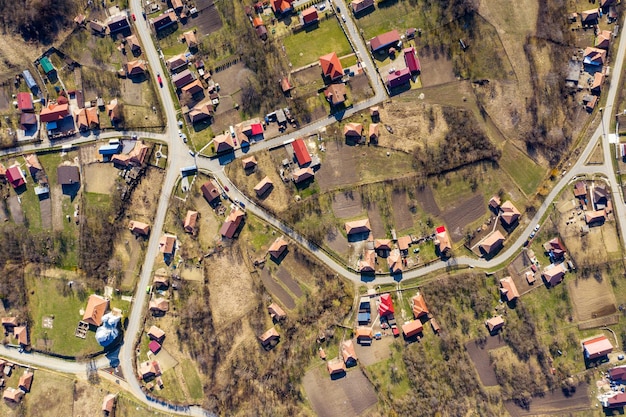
column 553, row 402
column 276, row 290
column 99, row 178
column 45, row 207
column 348, row 396
column 402, row 217
column 376, row 352
column 426, row 199
column 591, row 298
column 376, row 221
column 360, row 87
column 437, row 69
column 288, row 280
column 306, row 76
column 16, row 209
column 347, row 204
column 338, row 167
column 337, row 242
column 228, row 117
column 465, row 212
column 232, row 78
column 480, row 358
column 132, row 92
column 207, row 20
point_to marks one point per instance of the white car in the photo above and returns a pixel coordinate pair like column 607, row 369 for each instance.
column 343, row 17
column 536, row 228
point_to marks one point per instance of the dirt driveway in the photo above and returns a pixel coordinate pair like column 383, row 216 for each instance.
column 16, row 209
column 347, row 397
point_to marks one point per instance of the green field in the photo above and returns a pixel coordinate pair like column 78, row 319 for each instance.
column 306, row 47
column 398, row 15
column 192, row 379
column 524, row 171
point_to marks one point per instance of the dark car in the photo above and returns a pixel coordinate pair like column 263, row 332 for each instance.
column 160, row 80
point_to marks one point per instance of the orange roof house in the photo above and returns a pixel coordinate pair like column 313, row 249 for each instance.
column 412, row 328
column 302, row 174
column 114, row 111
column 603, row 41
column 108, row 404
column 331, row 67
column 13, row 395
column 159, row 305
column 136, row 67
column 595, row 217
column 368, row 263
column 360, row 5
column 492, row 243
column 278, row 248
column 597, row 347
column 269, row 337
column 382, row 245
column 167, row 244
column 190, row 221
column 598, row 80
column 353, row 130
column 149, row 370
column 190, row 39
column 374, row 132
column 96, row 307
column 442, row 241
column 263, row 186
column 348, row 353
column 87, row 119
column 21, row 334
column 594, row 56
column 510, row 214
column 156, row 333
column 495, row 202
column 336, row 94
column 133, row 43
column 508, row 290
column 419, row 306
column 281, row 6
column 394, row 260
column 201, row 111
column 54, row 112
column 223, row 143
column 9, row 322
column 26, row 381
column 335, row 366
column 276, row 312
column 404, row 242
column 232, row 223
column 494, row 324
column 554, row 275
column 249, row 163
column 139, row 228
column 358, row 226
column 364, row 334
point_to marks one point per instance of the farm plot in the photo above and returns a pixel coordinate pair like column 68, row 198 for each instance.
column 338, row 167
column 276, row 289
column 459, row 216
column 592, row 298
column 285, row 276
column 353, row 394
column 337, row 242
column 206, row 21
column 99, row 178
column 402, row 217
column 376, row 221
column 347, row 204
column 426, row 199
column 554, row 403
column 438, row 69
column 480, row 358
column 15, row 208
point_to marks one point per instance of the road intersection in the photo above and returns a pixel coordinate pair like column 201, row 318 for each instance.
column 179, row 157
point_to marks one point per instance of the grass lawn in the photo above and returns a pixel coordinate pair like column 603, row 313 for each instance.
column 398, row 15
column 30, row 205
column 45, row 299
column 171, row 387
column 306, row 47
column 129, row 407
column 261, row 233
column 348, row 61
column 526, row 173
column 194, row 385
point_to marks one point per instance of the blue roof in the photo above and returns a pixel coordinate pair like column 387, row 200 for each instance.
column 362, row 317
column 28, row 77
column 51, row 125
column 109, row 149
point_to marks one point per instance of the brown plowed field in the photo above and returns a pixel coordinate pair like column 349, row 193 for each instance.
column 376, row 221
column 402, row 217
column 553, row 403
column 276, row 290
column 427, row 200
column 466, row 211
column 337, row 242
column 480, row 358
column 289, row 282
column 340, row 166
column 347, row 204
column 591, row 299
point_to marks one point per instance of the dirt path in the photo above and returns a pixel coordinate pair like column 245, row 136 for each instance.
column 45, row 207
column 56, row 195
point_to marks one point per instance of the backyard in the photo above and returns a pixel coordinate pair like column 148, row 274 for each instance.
column 307, row 46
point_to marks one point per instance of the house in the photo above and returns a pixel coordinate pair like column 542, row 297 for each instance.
column 580, row 190
column 309, row 16
column 21, row 334
column 261, row 32
column 176, row 63
column 115, row 111
column 596, row 84
column 597, row 347
column 156, row 334
column 590, row 102
column 269, row 338
column 494, row 203
column 336, row 94
column 278, row 248
column 223, row 143
column 161, row 279
column 530, row 277
column 276, row 312
column 167, row 244
column 589, row 17
column 600, row 197
column 108, row 404
column 133, row 43
column 368, row 263
column 301, row 152
column 182, row 78
column 335, row 367
column 15, row 176
column 385, row 40
column 193, row 88
column 412, row 328
column 359, row 6
column 137, row 156
column 375, row 113
column 232, row 223
column 177, row 5
column 46, row 65
column 418, row 304
column 26, row 381
column 285, row 85
column 68, row 175
column 25, row 102
column 54, row 112
column 594, row 56
column 592, row 218
column 190, row 39
column 149, row 370
column 96, row 307
column 603, row 41
column 358, row 226
column 97, row 27
column 331, row 67
column 554, row 275
column 13, row 395
column 617, row 374
column 210, row 192
column 411, row 60
column 118, row 23
column 135, row 68
column 201, row 111
column 353, row 131
column 399, row 78
column 364, row 335
column 374, row 132
column 302, row 175
column 33, row 164
column 249, row 163
column 263, row 187
column 492, row 243
column 139, row 228
column 348, row 353
column 191, row 219
column 510, row 214
column 385, row 307
column 442, row 241
column 163, row 21
column 494, row 324
column 9, row 323
column 616, row 401
column 382, row 247
column 27, row 120
column 154, row 346
column 435, row 325
column 281, row 6
column 508, row 290
column 87, row 119
column 159, row 306
column 555, row 248
column 395, row 262
column 257, row 21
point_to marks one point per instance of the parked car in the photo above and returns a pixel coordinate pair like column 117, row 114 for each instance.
column 160, row 79
column 133, row 16
column 343, row 17
column 394, row 330
column 537, row 228
column 226, row 188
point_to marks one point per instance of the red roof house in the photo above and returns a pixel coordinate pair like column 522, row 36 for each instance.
column 399, row 78
column 331, row 67
column 154, row 347
column 25, row 101
column 411, row 60
column 302, row 153
column 210, row 191
column 597, row 347
column 386, row 39
column 281, row 6
column 386, row 305
column 309, row 16
column 15, row 176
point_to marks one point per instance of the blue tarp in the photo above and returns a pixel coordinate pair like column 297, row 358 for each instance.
column 28, row 77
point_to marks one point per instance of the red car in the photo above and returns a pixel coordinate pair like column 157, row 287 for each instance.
column 133, row 16
column 394, row 330
column 226, row 188
column 160, row 80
